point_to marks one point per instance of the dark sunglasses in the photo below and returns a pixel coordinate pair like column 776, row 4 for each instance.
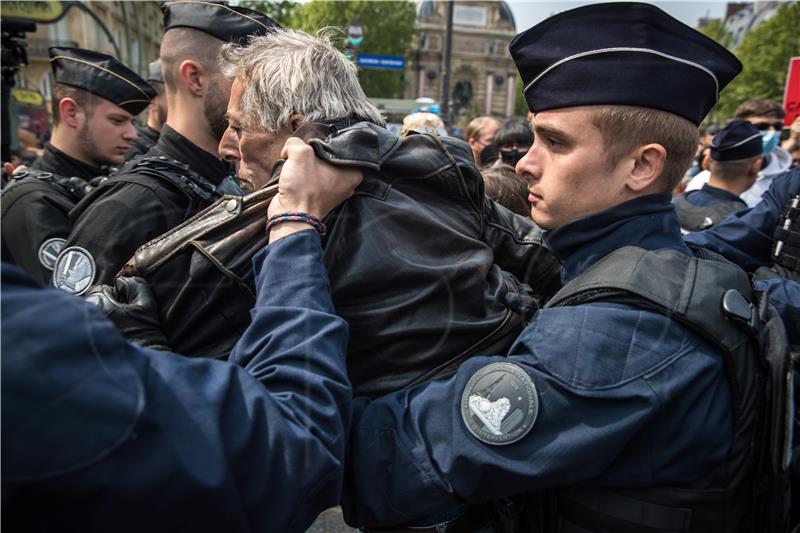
column 764, row 126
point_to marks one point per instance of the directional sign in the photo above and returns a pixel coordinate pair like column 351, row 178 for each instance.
column 381, row 62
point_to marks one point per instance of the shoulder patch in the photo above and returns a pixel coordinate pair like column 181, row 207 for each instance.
column 500, row 404
column 74, row 270
column 49, row 250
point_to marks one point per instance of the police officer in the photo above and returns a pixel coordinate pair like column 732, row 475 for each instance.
column 147, row 135
column 735, row 163
column 100, row 434
column 182, row 173
column 619, row 411
column 95, row 98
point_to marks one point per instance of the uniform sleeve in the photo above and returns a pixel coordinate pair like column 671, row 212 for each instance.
column 29, row 222
column 412, row 455
column 745, row 237
column 173, row 442
column 114, row 222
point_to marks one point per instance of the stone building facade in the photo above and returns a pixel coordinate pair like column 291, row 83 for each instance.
column 482, row 73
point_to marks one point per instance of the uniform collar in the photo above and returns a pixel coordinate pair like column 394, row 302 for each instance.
column 720, row 194
column 57, row 162
column 649, row 222
column 174, row 145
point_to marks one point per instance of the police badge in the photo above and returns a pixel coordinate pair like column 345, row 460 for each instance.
column 499, row 404
column 49, row 250
column 74, row 270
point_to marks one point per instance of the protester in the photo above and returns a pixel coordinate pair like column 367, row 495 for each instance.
column 182, row 174
column 95, row 98
column 588, row 387
column 423, row 122
column 479, row 135
column 513, row 140
column 735, row 155
column 99, row 434
column 507, row 188
column 147, row 135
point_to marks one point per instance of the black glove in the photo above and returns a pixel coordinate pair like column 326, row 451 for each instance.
column 131, row 306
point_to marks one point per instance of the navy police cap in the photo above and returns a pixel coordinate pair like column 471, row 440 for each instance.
column 227, row 23
column 738, row 140
column 101, row 75
column 624, row 53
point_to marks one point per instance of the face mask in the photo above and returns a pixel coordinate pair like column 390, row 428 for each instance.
column 511, row 157
column 769, row 140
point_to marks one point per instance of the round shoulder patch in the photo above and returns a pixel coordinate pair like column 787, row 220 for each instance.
column 74, row 270
column 49, row 250
column 500, row 405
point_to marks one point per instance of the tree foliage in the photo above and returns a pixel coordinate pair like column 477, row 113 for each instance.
column 717, row 31
column 279, row 11
column 765, row 52
column 388, row 30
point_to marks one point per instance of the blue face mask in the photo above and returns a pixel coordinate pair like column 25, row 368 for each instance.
column 769, row 140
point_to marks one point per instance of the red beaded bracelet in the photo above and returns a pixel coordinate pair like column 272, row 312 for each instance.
column 297, row 216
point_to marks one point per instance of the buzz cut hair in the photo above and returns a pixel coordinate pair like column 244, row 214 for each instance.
column 181, row 44
column 83, row 98
column 626, row 128
column 287, row 72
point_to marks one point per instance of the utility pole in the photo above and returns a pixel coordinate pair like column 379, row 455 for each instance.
column 448, row 45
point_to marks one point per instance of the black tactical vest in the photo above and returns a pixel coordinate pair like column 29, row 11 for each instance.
column 696, row 218
column 786, row 247
column 712, row 298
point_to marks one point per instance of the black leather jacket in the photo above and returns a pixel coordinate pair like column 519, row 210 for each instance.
column 426, row 270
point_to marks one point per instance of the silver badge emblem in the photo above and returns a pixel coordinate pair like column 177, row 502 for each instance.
column 74, row 270
column 49, row 250
column 500, row 404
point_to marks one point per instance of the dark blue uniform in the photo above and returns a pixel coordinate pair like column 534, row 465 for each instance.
column 745, row 238
column 626, row 398
column 708, row 196
column 99, row 434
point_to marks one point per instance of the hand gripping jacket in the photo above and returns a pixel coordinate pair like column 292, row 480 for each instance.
column 713, row 298
column 416, row 259
column 696, row 218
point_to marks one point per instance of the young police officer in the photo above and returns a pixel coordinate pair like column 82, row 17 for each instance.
column 735, row 162
column 621, row 417
column 182, row 173
column 95, row 98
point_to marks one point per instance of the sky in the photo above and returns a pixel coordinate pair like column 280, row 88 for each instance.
column 528, row 13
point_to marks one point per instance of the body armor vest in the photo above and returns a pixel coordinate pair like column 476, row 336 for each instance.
column 713, row 298
column 696, row 218
column 786, row 247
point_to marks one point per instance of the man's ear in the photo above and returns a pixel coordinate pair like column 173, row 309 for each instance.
column 192, row 76
column 71, row 112
column 755, row 167
column 648, row 162
column 295, row 120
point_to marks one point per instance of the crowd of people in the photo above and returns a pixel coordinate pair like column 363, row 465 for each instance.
column 264, row 304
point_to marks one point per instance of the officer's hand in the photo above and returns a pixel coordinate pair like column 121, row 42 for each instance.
column 132, row 307
column 309, row 185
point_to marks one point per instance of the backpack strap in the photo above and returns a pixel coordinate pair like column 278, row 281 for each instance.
column 178, row 174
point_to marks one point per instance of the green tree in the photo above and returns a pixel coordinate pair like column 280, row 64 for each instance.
column 388, row 30
column 280, row 11
column 520, row 104
column 716, row 30
column 765, row 52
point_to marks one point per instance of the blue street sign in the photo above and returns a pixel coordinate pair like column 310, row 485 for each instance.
column 381, row 62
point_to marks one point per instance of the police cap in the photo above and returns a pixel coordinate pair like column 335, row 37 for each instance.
column 101, row 75
column 154, row 72
column 738, row 140
column 227, row 23
column 621, row 54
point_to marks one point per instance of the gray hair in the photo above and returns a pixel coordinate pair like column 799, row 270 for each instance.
column 287, row 72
